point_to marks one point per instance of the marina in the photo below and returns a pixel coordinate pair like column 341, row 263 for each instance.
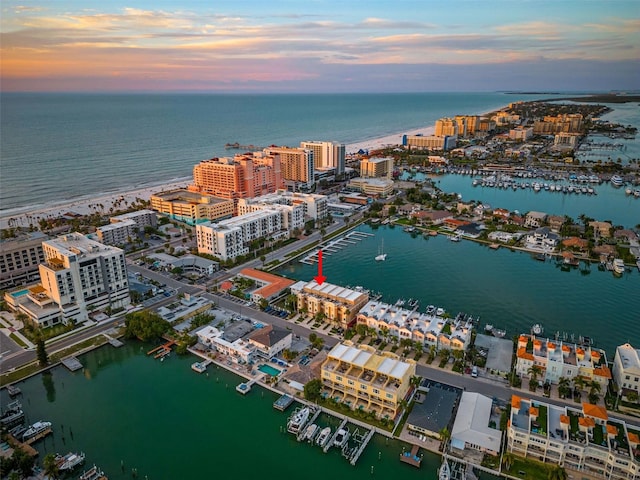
column 334, row 246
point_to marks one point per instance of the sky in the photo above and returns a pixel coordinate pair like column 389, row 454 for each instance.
column 320, row 46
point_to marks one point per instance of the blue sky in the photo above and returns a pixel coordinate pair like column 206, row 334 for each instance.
column 320, row 46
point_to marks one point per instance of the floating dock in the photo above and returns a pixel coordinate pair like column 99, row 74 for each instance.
column 72, row 363
column 283, row 402
column 412, row 457
column 336, row 245
column 245, row 387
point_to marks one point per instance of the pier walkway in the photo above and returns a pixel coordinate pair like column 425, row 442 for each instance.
column 356, row 455
column 335, row 245
column 113, row 341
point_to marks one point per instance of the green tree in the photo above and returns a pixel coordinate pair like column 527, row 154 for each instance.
column 313, row 337
column 444, row 434
column 564, row 388
column 507, row 460
column 556, row 472
column 594, row 391
column 312, row 390
column 145, row 325
column 50, row 466
column 41, row 352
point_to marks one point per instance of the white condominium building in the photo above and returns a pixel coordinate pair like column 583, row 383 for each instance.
column 327, row 155
column 626, row 369
column 230, row 238
column 583, row 439
column 314, row 205
column 124, row 228
column 427, row 329
column 78, row 275
column 556, row 359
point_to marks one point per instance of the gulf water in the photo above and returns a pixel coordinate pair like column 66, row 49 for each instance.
column 127, row 411
column 59, row 147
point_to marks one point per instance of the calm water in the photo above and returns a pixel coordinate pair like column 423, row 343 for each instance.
column 83, row 144
column 508, row 289
column 172, row 423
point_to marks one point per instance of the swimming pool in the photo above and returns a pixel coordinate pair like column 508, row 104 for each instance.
column 269, row 370
column 19, row 293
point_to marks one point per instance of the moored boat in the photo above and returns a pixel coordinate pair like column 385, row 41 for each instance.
column 618, row 266
column 298, row 420
column 35, row 430
column 341, row 438
column 444, row 472
column 69, row 461
column 13, row 390
column 310, row 432
column 324, row 436
column 13, row 415
column 617, row 181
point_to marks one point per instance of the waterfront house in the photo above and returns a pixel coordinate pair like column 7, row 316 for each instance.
column 576, row 244
column 270, row 340
column 583, row 439
column 432, row 217
column 625, row 236
column 453, row 224
column 534, row 219
column 471, row 430
column 434, row 408
column 626, row 369
column 555, row 222
column 501, row 214
column 361, row 379
column 601, row 229
column 236, row 348
column 541, row 239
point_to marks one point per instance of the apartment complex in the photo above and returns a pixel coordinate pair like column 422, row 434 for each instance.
column 565, row 141
column 230, row 238
column 626, row 369
column 430, row 330
column 557, row 358
column 314, row 206
column 244, row 176
column 446, row 127
column 123, row 228
column 377, row 167
column 521, row 133
column 362, row 379
column 292, row 215
column 567, row 123
column 298, row 166
column 467, row 125
column 78, row 275
column 192, row 207
column 327, row 155
column 373, row 187
column 19, row 259
column 584, row 439
column 338, row 304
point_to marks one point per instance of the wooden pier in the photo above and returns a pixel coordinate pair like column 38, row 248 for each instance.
column 37, row 437
column 25, row 447
column 412, row 457
column 72, row 363
column 162, row 350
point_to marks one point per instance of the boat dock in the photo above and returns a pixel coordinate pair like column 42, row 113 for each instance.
column 329, row 444
column 26, row 447
column 245, row 387
column 113, row 341
column 412, row 457
column 336, row 245
column 13, row 390
column 72, row 363
column 283, row 402
column 362, row 442
column 162, row 350
column 37, row 437
column 302, row 431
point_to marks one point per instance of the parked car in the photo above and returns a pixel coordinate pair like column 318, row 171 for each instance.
column 474, row 372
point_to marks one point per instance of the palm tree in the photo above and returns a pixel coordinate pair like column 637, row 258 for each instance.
column 564, row 388
column 533, row 371
column 594, row 389
column 507, row 460
column 51, row 466
column 444, row 434
column 557, row 473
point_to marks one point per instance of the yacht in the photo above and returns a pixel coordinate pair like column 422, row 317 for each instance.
column 454, row 238
column 618, row 266
column 617, row 181
column 324, row 436
column 341, row 438
column 310, row 432
column 13, row 415
column 381, row 257
column 69, row 461
column 444, row 472
column 439, row 312
column 537, row 329
column 298, row 420
column 35, row 429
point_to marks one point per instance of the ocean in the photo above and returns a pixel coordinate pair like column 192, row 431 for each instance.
column 60, row 147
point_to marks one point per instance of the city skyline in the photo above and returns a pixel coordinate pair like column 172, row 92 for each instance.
column 321, row 46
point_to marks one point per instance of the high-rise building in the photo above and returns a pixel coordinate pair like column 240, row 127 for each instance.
column 378, row 167
column 192, row 207
column 19, row 259
column 78, row 275
column 244, row 176
column 298, row 166
column 314, row 205
column 446, row 127
column 327, row 155
column 467, row 125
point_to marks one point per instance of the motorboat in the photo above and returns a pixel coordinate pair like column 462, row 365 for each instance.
column 499, row 333
column 35, row 430
column 341, row 438
column 439, row 311
column 454, row 238
column 69, row 461
column 323, row 436
column 537, row 329
column 488, row 328
column 310, row 432
column 381, row 257
column 617, row 181
column 13, row 415
column 618, row 266
column 444, row 472
column 298, row 420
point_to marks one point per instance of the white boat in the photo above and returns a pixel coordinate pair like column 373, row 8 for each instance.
column 310, row 432
column 198, row 367
column 298, row 420
column 13, row 415
column 628, row 191
column 439, row 312
column 324, row 436
column 498, row 332
column 617, row 181
column 618, row 266
column 35, row 429
column 381, row 257
column 444, row 472
column 488, row 328
column 69, row 461
column 341, row 438
column 454, row 238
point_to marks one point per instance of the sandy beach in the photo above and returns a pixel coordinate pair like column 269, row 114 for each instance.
column 25, row 217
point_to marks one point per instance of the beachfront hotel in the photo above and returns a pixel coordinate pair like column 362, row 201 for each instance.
column 339, row 305
column 373, row 187
column 327, row 155
column 192, row 207
column 298, row 166
column 78, row 275
column 626, row 369
column 230, row 238
column 567, row 123
column 243, row 176
column 428, row 330
column 19, row 259
column 429, row 142
column 557, row 358
column 584, row 439
column 446, row 127
column 466, row 125
column 358, row 377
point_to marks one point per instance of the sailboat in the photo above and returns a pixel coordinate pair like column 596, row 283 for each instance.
column 381, row 257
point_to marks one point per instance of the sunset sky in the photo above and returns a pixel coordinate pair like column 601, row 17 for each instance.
column 320, row 46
